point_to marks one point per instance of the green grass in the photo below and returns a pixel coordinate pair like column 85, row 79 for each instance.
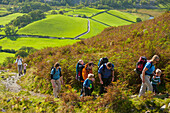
column 37, row 43
column 84, row 11
column 6, row 19
column 124, row 15
column 57, row 26
column 95, row 28
column 110, row 20
column 3, row 56
column 3, row 11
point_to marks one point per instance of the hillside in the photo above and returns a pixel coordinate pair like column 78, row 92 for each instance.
column 122, row 45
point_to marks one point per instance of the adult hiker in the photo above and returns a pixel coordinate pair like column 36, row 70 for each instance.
column 88, row 85
column 106, row 76
column 56, row 79
column 79, row 67
column 146, row 73
column 19, row 61
column 86, row 70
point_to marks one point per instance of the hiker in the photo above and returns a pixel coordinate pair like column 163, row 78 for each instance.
column 25, row 65
column 86, row 70
column 19, row 63
column 146, row 73
column 106, row 76
column 56, row 79
column 88, row 85
column 156, row 81
column 79, row 67
column 102, row 61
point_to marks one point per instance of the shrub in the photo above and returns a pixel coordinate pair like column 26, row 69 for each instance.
column 138, row 19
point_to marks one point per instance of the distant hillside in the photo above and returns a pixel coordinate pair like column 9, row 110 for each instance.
column 122, row 45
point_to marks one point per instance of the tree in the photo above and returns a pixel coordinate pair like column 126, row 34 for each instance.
column 53, row 12
column 61, row 12
column 138, row 19
column 22, row 53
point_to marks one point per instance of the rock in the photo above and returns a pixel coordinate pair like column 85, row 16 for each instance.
column 3, row 110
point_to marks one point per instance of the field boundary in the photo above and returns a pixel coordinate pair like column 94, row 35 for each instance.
column 120, row 17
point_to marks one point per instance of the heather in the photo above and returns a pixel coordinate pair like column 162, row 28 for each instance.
column 123, row 46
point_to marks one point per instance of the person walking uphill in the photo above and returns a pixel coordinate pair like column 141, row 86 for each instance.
column 56, row 79
column 146, row 73
column 79, row 67
column 19, row 62
column 106, row 76
column 88, row 85
column 86, row 70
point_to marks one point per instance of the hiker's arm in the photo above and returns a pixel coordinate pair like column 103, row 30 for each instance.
column 113, row 76
column 100, row 78
column 143, row 74
column 61, row 79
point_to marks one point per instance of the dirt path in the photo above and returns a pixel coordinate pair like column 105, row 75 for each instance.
column 12, row 86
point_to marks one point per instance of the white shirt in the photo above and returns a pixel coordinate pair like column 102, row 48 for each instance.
column 19, row 61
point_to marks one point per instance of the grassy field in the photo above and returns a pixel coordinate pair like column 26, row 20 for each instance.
column 124, row 15
column 3, row 10
column 6, row 19
column 57, row 26
column 110, row 20
column 37, row 43
column 3, row 55
column 84, row 11
column 95, row 28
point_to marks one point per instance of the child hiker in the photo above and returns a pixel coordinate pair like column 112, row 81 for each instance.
column 88, row 85
column 25, row 67
column 156, row 80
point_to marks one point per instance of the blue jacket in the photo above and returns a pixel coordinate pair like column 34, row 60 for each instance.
column 106, row 73
column 150, row 68
column 57, row 73
column 87, row 83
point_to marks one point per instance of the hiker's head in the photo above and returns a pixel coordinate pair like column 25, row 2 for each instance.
column 81, row 62
column 56, row 65
column 109, row 65
column 158, row 72
column 155, row 59
column 90, row 76
column 90, row 65
column 18, row 56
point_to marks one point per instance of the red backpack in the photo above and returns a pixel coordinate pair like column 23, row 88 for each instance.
column 140, row 64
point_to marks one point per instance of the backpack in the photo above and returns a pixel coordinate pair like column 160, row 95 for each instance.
column 19, row 59
column 102, row 61
column 54, row 71
column 141, row 64
column 79, row 72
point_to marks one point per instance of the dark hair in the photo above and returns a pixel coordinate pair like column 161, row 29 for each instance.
column 109, row 64
column 56, row 64
column 90, row 64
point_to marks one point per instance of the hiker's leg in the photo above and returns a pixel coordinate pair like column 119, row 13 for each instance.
column 155, row 88
column 58, row 82
column 81, row 88
column 148, row 83
column 142, row 88
column 55, row 89
column 19, row 69
column 102, row 86
column 86, row 91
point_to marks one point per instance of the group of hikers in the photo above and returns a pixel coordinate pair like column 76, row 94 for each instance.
column 84, row 74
